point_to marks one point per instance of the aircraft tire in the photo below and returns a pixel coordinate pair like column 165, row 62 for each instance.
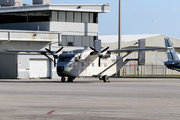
column 70, row 79
column 63, row 79
column 105, row 78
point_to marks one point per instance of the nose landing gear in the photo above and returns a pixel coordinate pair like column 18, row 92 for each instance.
column 105, row 78
column 63, row 79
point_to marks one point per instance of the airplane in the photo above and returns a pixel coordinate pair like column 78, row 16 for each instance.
column 91, row 62
column 173, row 61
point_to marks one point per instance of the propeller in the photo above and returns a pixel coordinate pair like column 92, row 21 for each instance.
column 54, row 54
column 99, row 54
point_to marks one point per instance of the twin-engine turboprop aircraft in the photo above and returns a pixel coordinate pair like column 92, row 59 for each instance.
column 91, row 62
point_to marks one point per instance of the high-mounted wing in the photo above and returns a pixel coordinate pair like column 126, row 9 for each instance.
column 138, row 49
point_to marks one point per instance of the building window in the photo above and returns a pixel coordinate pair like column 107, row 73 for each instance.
column 69, row 17
column 54, row 16
column 41, row 16
column 62, row 16
column 70, row 40
column 77, row 17
column 85, row 17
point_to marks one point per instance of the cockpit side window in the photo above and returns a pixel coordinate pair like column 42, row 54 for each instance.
column 65, row 58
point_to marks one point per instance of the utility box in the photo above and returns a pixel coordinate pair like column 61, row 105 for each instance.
column 11, row 2
column 41, row 2
column 141, row 55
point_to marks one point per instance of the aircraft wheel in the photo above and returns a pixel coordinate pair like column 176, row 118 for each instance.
column 70, row 79
column 105, row 78
column 63, row 79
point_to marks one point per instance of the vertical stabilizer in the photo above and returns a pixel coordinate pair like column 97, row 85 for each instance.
column 171, row 54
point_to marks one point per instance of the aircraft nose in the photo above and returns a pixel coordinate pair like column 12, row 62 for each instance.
column 60, row 69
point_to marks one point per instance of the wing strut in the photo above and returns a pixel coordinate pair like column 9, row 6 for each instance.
column 114, row 64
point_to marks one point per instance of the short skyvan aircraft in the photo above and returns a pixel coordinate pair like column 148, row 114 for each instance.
column 173, row 61
column 91, row 62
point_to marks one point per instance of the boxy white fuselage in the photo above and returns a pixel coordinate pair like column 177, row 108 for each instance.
column 86, row 65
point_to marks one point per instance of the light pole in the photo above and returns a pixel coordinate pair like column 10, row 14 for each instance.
column 119, row 27
column 119, row 31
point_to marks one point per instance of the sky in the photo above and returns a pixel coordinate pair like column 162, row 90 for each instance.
column 137, row 16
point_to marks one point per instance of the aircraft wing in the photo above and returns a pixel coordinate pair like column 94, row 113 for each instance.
column 138, row 50
column 38, row 51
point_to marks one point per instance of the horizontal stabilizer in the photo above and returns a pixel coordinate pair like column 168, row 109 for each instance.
column 161, row 60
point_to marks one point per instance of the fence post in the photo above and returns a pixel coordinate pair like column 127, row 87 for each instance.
column 134, row 70
column 152, row 68
column 141, row 72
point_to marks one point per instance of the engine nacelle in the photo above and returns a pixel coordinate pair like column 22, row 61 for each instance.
column 107, row 55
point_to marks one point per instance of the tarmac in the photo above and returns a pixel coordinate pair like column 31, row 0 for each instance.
column 90, row 99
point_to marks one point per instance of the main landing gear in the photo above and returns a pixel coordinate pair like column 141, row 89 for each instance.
column 70, row 79
column 105, row 78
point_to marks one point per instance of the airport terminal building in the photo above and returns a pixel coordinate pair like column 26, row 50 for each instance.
column 40, row 26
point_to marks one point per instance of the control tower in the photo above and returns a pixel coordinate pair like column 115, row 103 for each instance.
column 11, row 2
column 41, row 2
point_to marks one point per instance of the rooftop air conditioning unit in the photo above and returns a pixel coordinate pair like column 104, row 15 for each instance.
column 41, row 2
column 11, row 2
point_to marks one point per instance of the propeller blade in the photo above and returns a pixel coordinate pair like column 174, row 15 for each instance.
column 54, row 62
column 99, row 62
column 94, row 49
column 48, row 57
column 48, row 50
column 59, row 49
column 104, row 49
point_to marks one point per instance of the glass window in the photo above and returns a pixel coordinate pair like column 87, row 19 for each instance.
column 31, row 17
column 45, row 15
column 24, row 16
column 85, row 41
column 69, row 16
column 64, row 40
column 8, row 18
column 17, row 17
column 95, row 18
column 91, row 41
column 92, row 64
column 91, row 17
column 85, row 17
column 54, row 16
column 31, row 13
column 77, row 17
column 62, row 16
column 78, row 41
column 70, row 40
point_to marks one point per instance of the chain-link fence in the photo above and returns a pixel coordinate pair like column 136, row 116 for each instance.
column 147, row 70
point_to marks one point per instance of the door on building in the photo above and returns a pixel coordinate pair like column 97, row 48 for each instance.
column 39, row 68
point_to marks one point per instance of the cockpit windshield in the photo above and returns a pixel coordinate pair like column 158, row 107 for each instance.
column 65, row 57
